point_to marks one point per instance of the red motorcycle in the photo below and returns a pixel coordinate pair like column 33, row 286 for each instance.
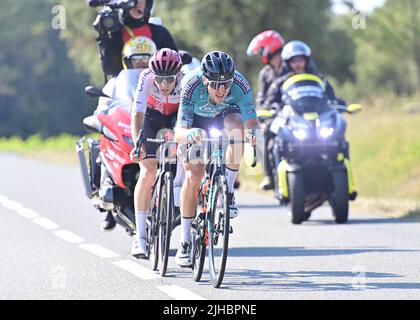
column 112, row 152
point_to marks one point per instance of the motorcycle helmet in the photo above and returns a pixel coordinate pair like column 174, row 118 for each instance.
column 295, row 49
column 266, row 44
column 137, row 52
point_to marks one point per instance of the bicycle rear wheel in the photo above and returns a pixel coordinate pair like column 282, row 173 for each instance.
column 198, row 249
column 218, row 229
column 166, row 211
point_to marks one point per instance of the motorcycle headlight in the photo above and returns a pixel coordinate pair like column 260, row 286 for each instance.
column 300, row 134
column 326, row 132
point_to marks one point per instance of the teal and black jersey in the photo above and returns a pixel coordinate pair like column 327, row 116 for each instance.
column 195, row 99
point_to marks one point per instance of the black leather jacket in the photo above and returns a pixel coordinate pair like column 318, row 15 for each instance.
column 274, row 93
column 111, row 48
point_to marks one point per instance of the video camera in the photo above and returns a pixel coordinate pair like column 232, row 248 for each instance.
column 110, row 18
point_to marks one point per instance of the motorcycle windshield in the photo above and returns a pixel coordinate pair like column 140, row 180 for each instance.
column 126, row 85
column 306, row 96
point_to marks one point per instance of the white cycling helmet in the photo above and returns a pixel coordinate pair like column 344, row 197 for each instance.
column 294, row 49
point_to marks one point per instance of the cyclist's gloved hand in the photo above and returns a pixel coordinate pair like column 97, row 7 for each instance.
column 251, row 136
column 194, row 135
column 135, row 158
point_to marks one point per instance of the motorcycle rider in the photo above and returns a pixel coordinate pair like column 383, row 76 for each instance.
column 297, row 57
column 155, row 107
column 215, row 96
column 136, row 24
column 269, row 45
column 189, row 62
column 136, row 55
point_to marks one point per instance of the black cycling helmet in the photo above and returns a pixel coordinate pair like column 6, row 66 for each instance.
column 218, row 66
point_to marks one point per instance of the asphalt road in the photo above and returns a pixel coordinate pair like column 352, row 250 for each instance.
column 51, row 247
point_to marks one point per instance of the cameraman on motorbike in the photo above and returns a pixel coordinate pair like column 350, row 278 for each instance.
column 120, row 90
column 131, row 22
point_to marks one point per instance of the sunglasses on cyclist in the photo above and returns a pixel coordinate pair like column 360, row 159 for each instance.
column 218, row 84
column 167, row 79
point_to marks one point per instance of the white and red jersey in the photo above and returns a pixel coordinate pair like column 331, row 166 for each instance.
column 148, row 95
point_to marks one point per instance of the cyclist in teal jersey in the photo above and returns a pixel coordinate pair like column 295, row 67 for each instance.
column 215, row 96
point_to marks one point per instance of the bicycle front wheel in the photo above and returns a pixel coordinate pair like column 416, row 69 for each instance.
column 218, row 229
column 166, row 210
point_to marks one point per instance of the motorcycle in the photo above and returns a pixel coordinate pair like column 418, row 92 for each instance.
column 111, row 150
column 311, row 152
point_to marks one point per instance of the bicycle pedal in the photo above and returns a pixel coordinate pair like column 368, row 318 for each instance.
column 230, row 229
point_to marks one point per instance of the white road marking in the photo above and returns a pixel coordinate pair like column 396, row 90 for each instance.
column 12, row 205
column 176, row 292
column 99, row 251
column 28, row 213
column 69, row 236
column 137, row 270
column 46, row 223
column 179, row 293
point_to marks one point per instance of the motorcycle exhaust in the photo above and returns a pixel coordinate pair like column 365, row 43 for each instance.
column 84, row 168
column 95, row 170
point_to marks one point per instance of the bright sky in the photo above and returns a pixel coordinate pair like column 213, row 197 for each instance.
column 362, row 5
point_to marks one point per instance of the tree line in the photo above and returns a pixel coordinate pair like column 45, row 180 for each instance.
column 43, row 70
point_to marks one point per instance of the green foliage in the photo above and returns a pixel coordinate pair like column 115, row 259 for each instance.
column 388, row 50
column 80, row 37
column 63, row 142
column 39, row 90
column 385, row 152
column 201, row 26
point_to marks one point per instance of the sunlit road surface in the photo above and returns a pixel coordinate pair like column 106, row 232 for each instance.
column 52, row 248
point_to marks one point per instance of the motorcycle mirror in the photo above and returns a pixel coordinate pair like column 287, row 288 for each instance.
column 94, row 92
column 92, row 124
column 354, row 108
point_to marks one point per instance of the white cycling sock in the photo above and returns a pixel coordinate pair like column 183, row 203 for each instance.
column 141, row 224
column 178, row 181
column 186, row 229
column 177, row 193
column 231, row 177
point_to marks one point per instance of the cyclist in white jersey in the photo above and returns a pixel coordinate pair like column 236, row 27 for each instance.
column 155, row 108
